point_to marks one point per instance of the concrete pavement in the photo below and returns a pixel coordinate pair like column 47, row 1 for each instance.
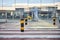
column 30, row 39
column 40, row 29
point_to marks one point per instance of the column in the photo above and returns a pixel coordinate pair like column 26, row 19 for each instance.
column 6, row 16
column 33, row 17
column 12, row 14
column 35, row 10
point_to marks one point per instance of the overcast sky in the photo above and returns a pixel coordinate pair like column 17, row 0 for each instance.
column 10, row 2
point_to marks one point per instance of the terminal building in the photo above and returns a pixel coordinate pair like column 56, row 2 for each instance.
column 16, row 10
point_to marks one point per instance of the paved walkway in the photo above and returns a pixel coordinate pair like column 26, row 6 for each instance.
column 30, row 39
column 40, row 29
column 31, row 25
column 41, row 24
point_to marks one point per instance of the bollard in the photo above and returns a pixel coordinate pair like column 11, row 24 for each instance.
column 26, row 21
column 54, row 21
column 22, row 25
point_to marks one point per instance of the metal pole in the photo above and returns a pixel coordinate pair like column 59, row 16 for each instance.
column 2, row 4
column 54, row 17
column 6, row 16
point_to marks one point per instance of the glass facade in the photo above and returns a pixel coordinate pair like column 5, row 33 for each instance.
column 2, row 15
column 43, row 13
column 19, row 12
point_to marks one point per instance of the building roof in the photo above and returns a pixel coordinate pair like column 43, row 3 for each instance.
column 24, row 5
